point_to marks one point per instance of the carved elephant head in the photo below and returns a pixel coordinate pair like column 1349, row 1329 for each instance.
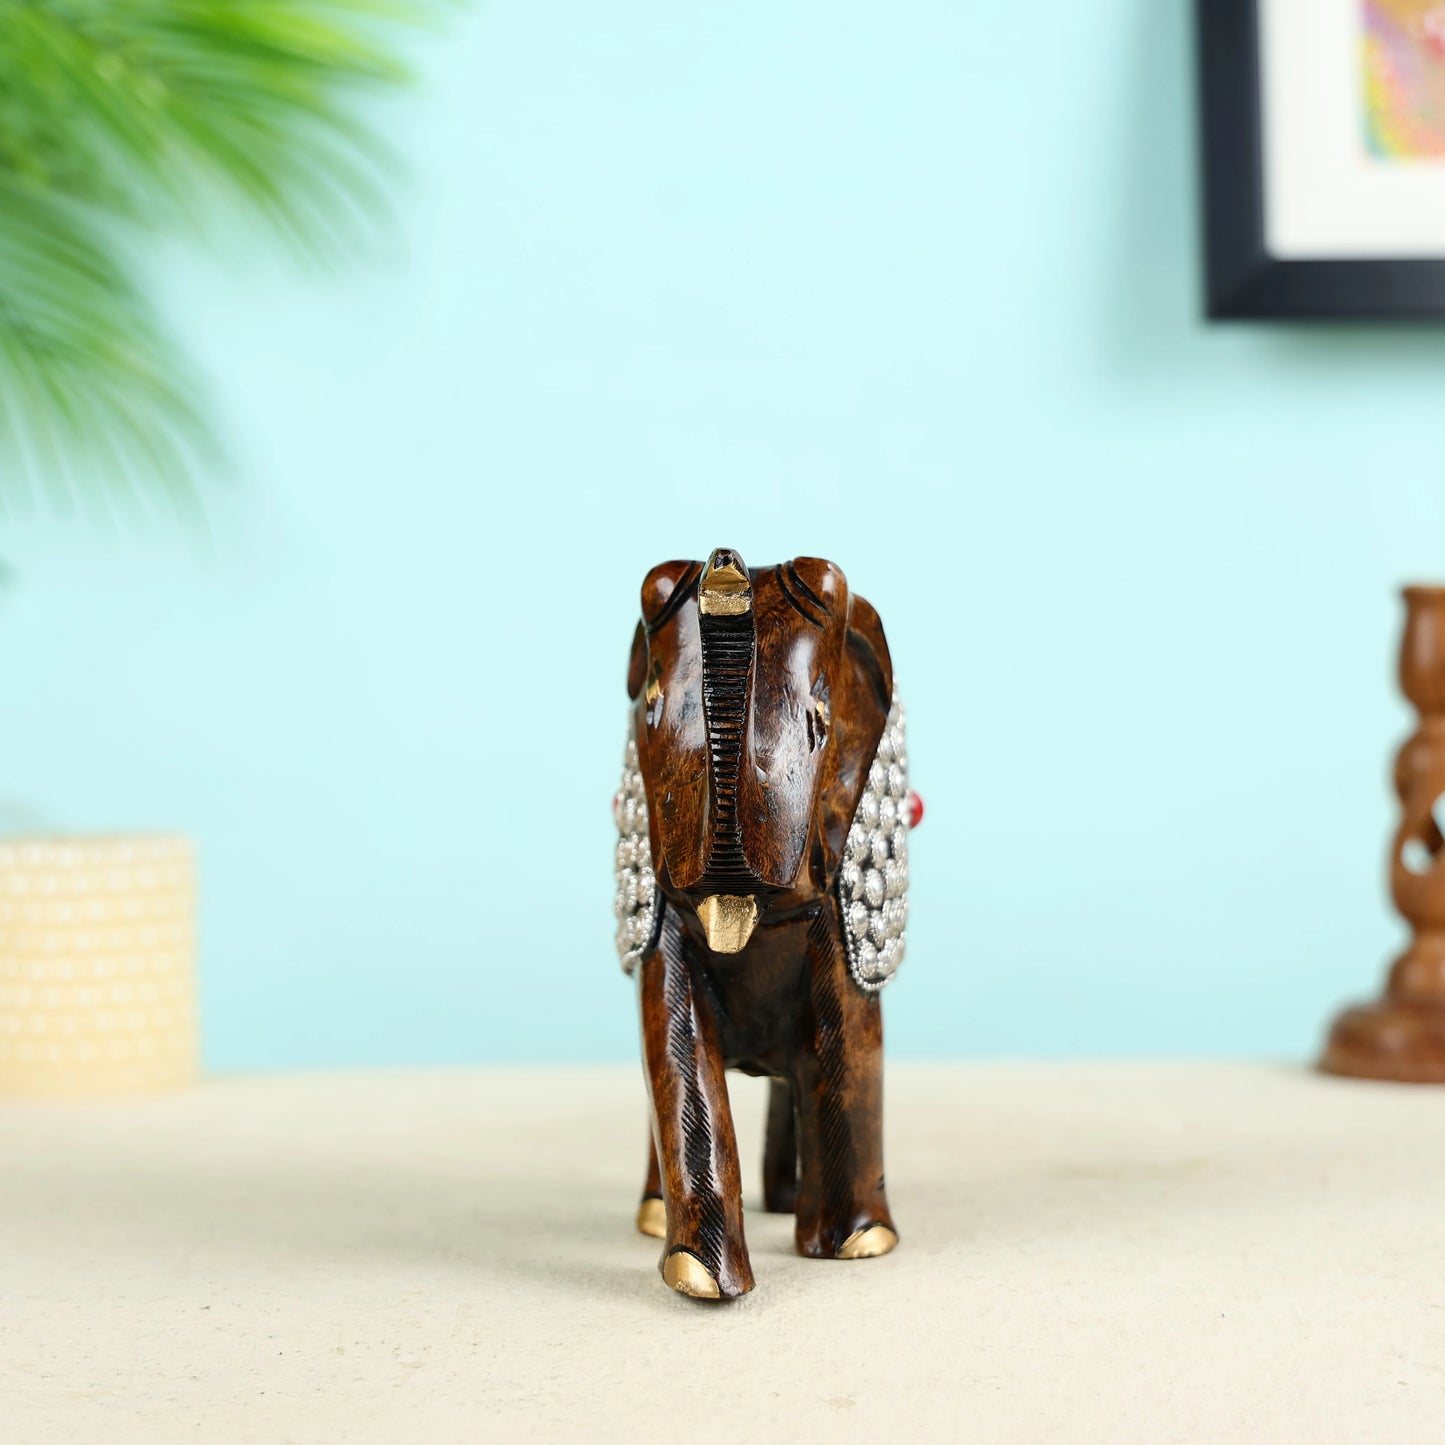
column 760, row 698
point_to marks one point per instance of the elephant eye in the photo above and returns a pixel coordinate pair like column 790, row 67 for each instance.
column 817, row 718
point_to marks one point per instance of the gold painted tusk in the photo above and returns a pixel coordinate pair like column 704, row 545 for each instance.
column 728, row 920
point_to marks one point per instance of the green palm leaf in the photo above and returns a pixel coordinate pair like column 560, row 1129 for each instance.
column 121, row 120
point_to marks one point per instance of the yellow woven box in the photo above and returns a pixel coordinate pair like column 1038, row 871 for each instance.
column 97, row 965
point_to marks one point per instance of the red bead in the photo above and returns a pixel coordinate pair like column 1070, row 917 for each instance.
column 617, row 809
column 913, row 806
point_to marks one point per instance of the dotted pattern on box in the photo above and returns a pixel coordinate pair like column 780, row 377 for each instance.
column 97, row 965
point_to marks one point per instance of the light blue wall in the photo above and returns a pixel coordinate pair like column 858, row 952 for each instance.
column 910, row 286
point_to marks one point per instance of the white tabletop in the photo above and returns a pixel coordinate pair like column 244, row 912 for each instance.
column 1107, row 1252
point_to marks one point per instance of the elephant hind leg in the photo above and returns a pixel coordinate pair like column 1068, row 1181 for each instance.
column 651, row 1212
column 780, row 1150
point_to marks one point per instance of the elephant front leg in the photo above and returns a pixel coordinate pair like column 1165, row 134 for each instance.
column 842, row 1208
column 706, row 1254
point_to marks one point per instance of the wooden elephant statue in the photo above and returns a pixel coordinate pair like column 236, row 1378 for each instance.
column 762, row 872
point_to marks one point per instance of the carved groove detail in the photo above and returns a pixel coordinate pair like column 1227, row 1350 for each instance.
column 727, row 660
column 701, row 1184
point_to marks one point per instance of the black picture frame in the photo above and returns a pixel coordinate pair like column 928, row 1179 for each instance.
column 1243, row 281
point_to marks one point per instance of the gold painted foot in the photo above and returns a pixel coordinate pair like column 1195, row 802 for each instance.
column 652, row 1218
column 688, row 1275
column 868, row 1243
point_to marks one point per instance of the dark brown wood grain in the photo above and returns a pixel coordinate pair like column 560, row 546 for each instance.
column 692, row 1118
column 1402, row 1037
column 757, row 716
column 780, row 1150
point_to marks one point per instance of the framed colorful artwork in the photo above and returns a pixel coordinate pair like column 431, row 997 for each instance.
column 1324, row 157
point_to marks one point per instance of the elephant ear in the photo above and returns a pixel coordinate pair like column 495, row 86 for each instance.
column 664, row 590
column 861, row 703
column 637, row 663
column 671, row 729
column 801, row 619
column 869, row 648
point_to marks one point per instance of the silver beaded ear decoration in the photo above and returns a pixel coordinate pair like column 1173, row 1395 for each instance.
column 873, row 877
column 636, row 903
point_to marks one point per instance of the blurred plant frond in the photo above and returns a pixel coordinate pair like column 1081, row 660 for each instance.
column 122, row 119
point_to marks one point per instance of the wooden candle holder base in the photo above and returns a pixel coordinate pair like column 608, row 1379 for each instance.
column 1403, row 1036
column 1401, row 1042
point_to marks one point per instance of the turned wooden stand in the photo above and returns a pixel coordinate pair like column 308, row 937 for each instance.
column 1403, row 1036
